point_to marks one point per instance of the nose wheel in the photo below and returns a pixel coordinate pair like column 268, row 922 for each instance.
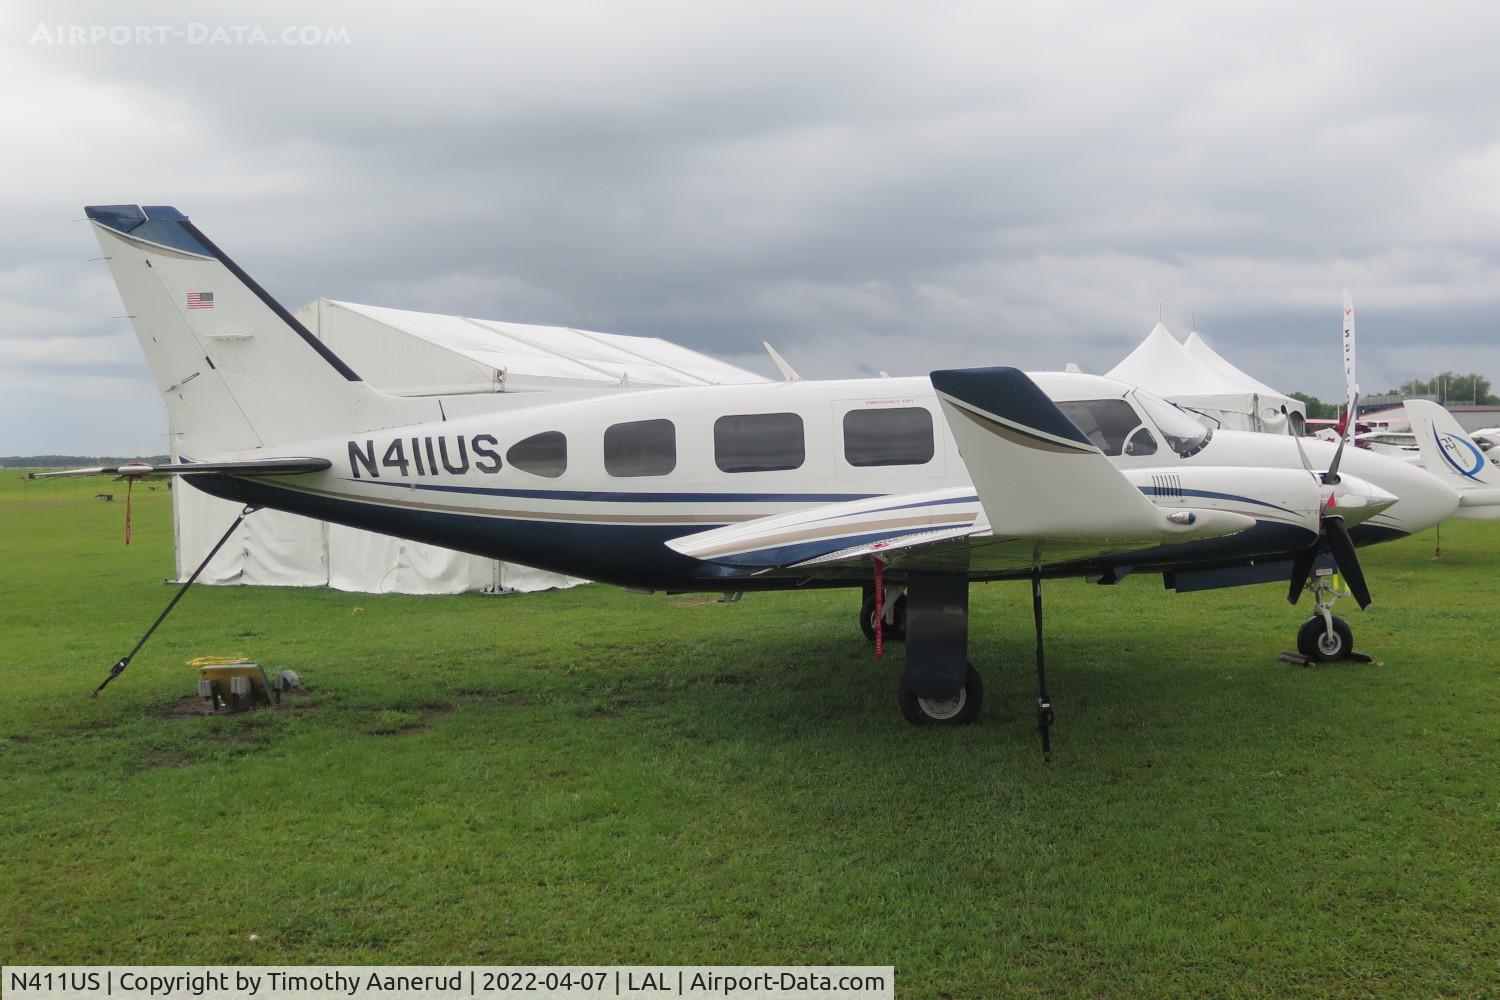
column 1325, row 641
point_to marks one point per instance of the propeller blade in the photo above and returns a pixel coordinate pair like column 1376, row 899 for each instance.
column 1342, row 547
column 1301, row 568
column 1302, row 454
column 1351, row 392
column 1331, row 477
column 1351, row 386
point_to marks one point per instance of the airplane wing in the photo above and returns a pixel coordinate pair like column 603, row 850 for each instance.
column 1042, row 495
column 928, row 525
column 251, row 467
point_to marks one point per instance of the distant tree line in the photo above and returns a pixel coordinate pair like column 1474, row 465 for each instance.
column 1448, row 388
column 70, row 461
column 1316, row 408
column 1452, row 387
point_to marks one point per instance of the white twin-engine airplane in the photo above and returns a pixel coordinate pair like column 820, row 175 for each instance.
column 909, row 488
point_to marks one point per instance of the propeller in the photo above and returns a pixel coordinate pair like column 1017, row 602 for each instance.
column 1333, row 539
column 1333, row 536
column 1331, row 477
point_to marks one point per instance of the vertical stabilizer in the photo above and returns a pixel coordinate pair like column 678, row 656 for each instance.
column 236, row 370
column 1450, row 454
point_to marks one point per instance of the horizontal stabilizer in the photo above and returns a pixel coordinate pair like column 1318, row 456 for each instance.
column 252, row 467
column 1481, row 497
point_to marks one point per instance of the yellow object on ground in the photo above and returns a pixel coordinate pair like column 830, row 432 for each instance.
column 233, row 685
column 215, row 661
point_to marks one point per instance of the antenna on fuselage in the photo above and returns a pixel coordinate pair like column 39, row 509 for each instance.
column 787, row 371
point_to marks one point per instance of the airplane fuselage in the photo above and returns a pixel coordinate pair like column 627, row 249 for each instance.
column 594, row 485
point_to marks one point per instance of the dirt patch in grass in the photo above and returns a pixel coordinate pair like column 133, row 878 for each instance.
column 193, row 707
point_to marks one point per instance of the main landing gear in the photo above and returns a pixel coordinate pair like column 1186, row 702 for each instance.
column 893, row 611
column 939, row 686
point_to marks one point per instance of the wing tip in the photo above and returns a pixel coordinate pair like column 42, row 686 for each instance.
column 1010, row 394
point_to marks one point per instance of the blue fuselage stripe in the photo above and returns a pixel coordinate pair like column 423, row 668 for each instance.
column 597, row 496
column 1210, row 494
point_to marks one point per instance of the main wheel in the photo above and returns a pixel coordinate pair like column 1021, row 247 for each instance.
column 895, row 631
column 959, row 710
column 1314, row 642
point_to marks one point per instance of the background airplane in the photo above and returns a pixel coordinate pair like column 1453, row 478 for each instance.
column 1451, row 454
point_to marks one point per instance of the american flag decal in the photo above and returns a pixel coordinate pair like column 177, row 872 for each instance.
column 200, row 300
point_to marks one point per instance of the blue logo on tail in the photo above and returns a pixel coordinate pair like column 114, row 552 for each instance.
column 1457, row 452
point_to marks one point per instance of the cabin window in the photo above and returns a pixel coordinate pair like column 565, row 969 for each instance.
column 759, row 442
column 1106, row 422
column 544, row 454
column 640, row 448
column 898, row 435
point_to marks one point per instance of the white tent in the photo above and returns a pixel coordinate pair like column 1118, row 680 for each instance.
column 415, row 353
column 1198, row 348
column 423, row 354
column 1198, row 378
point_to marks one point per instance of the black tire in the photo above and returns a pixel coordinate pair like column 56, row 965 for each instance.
column 959, row 712
column 1314, row 642
column 895, row 632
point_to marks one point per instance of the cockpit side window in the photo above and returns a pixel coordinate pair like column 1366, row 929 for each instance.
column 1107, row 422
column 1141, row 443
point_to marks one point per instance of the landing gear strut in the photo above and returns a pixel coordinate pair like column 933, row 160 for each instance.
column 1325, row 637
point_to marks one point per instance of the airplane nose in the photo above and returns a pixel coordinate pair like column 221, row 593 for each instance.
column 1359, row 499
column 1421, row 499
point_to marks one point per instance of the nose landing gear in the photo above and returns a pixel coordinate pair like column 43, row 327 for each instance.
column 1324, row 638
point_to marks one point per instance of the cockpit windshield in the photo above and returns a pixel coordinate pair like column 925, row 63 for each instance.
column 1182, row 432
column 1107, row 422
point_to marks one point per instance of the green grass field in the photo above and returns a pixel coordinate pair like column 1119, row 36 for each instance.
column 594, row 776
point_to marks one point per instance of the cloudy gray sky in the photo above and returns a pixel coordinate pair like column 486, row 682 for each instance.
column 867, row 185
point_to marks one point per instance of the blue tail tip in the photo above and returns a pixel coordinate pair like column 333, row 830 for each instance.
column 160, row 224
